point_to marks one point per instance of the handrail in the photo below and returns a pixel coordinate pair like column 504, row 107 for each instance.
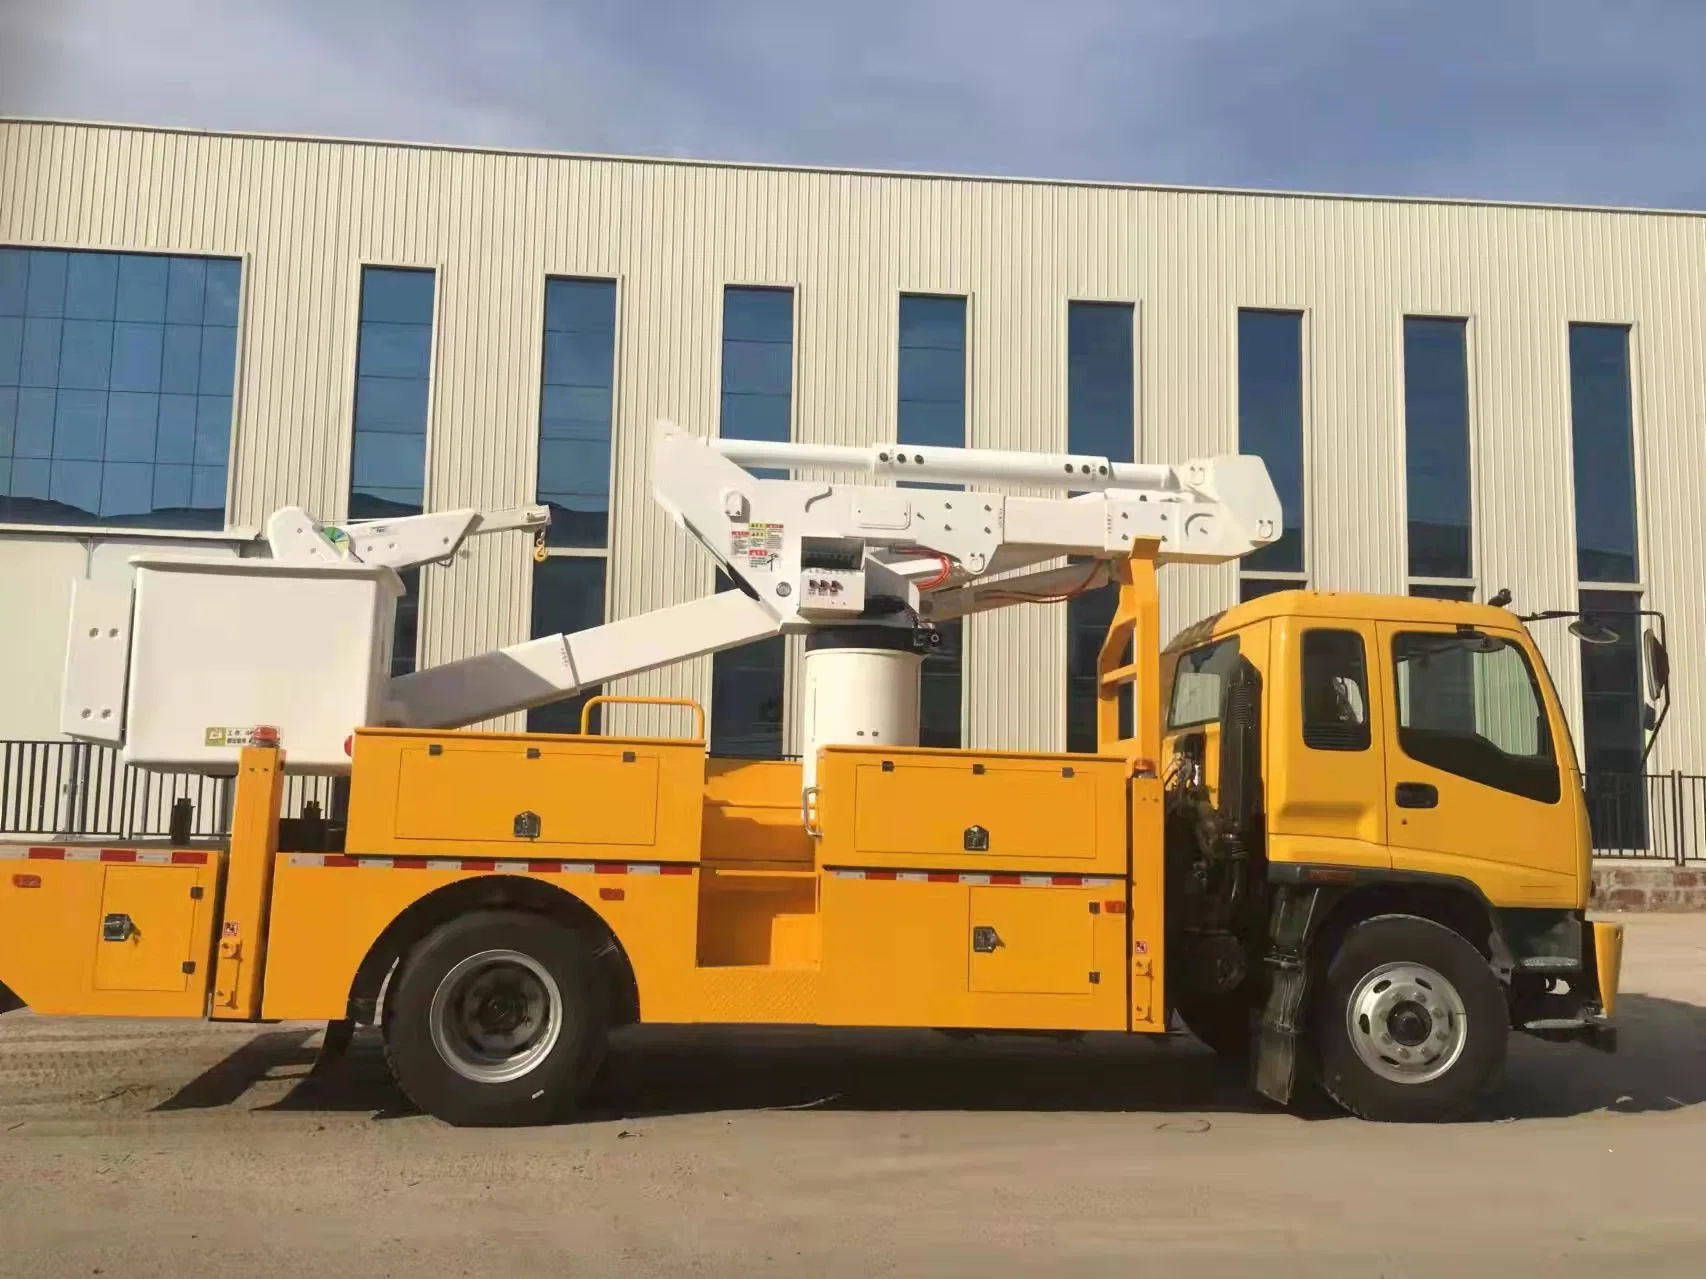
column 602, row 698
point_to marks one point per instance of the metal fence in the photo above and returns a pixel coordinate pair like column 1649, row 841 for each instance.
column 75, row 790
column 78, row 790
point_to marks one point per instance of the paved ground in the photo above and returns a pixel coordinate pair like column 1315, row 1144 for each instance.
column 139, row 1150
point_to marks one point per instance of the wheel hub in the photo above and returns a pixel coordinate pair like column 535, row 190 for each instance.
column 1407, row 1023
column 495, row 1016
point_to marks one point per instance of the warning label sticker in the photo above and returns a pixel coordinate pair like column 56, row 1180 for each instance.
column 228, row 736
column 759, row 544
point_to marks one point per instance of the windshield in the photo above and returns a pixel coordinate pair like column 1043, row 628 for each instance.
column 1199, row 684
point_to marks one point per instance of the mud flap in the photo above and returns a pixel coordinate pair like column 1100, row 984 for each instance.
column 1296, row 911
column 1275, row 1065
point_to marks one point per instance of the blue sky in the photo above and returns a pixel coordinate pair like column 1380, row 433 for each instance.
column 1598, row 101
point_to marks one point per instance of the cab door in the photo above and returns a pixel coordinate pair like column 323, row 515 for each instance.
column 1475, row 783
column 1326, row 765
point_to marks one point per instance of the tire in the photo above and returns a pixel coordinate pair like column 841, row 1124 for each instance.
column 1412, row 1024
column 498, row 1018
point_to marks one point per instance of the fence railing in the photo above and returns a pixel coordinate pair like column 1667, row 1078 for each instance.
column 76, row 790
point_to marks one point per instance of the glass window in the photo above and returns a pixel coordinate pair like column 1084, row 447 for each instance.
column 1270, row 422
column 1613, row 721
column 88, row 344
column 1442, row 591
column 392, row 365
column 932, row 410
column 748, row 684
column 1199, row 678
column 758, row 367
column 1088, row 617
column 576, row 409
column 1436, row 446
column 932, row 372
column 1100, row 395
column 1254, row 588
column 1602, row 433
column 939, row 689
column 748, row 695
column 568, row 596
column 393, row 362
column 1469, row 705
column 405, row 633
column 1335, row 691
column 1100, row 420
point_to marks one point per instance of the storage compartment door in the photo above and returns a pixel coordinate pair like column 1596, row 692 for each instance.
column 147, row 939
column 1031, row 941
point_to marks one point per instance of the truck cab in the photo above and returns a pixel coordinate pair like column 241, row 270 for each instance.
column 1377, row 847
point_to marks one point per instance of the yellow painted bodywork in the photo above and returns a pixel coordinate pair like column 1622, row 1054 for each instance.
column 598, row 798
column 1608, row 962
column 729, row 909
column 51, row 950
column 247, row 901
column 1336, row 808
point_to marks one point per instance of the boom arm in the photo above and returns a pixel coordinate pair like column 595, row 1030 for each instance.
column 808, row 553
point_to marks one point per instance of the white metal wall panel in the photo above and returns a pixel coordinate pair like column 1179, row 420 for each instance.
column 305, row 215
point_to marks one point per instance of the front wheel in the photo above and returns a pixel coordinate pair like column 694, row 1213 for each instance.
column 1412, row 1024
column 499, row 1019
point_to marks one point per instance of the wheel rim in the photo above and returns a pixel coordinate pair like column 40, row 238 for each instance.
column 495, row 1016
column 1407, row 1023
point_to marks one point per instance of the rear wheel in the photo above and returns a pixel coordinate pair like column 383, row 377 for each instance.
column 1412, row 1025
column 498, row 1018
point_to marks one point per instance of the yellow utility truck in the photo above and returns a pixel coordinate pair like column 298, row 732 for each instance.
column 1342, row 838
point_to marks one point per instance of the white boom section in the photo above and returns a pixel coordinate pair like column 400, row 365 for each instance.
column 547, row 670
column 182, row 665
column 813, row 552
column 403, row 543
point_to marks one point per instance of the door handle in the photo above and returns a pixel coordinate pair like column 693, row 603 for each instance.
column 1416, row 795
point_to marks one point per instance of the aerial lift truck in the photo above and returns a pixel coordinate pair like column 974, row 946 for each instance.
column 1340, row 837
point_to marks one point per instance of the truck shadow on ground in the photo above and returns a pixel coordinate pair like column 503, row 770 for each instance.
column 660, row 1071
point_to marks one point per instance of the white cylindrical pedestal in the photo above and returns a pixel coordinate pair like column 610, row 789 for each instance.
column 859, row 697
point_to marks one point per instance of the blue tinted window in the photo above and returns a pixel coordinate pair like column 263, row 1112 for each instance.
column 748, row 683
column 932, row 372
column 405, row 633
column 1100, row 412
column 1270, row 422
column 1087, row 620
column 1438, row 591
column 86, row 437
column 1613, row 733
column 568, row 596
column 1100, row 420
column 1253, row 588
column 748, row 696
column 757, row 366
column 1607, row 549
column 393, row 361
column 1436, row 446
column 939, row 694
column 932, row 410
column 575, row 410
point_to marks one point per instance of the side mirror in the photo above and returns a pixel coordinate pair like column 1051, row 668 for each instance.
column 1590, row 632
column 1658, row 665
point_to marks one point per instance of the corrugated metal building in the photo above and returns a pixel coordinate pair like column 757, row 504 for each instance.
column 1453, row 397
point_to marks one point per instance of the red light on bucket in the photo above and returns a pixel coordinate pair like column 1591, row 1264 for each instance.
column 349, row 745
column 265, row 735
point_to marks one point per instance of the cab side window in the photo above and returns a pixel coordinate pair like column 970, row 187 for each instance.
column 1468, row 704
column 1335, row 691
